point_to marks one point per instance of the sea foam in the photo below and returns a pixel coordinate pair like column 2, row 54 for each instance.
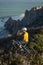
column 18, row 17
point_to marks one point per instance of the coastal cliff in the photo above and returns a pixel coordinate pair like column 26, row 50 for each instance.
column 10, row 55
column 33, row 19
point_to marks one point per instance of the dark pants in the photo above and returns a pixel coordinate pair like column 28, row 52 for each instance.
column 23, row 43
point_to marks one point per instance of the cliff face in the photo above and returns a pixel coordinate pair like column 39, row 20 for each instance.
column 32, row 19
column 13, row 26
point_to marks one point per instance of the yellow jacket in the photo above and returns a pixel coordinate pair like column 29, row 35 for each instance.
column 26, row 37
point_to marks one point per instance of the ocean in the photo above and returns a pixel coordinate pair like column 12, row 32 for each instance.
column 16, row 9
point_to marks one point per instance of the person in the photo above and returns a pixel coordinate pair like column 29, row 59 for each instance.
column 24, row 36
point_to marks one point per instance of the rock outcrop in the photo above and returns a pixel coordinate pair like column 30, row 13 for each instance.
column 32, row 19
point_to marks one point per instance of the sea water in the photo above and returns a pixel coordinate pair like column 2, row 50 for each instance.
column 15, row 9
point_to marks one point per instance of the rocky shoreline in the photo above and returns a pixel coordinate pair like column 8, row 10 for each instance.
column 33, row 19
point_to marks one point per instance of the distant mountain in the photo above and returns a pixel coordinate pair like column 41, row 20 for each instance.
column 32, row 19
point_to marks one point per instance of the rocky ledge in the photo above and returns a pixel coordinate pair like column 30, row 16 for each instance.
column 33, row 19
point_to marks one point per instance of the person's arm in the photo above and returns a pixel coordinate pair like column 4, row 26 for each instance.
column 19, row 32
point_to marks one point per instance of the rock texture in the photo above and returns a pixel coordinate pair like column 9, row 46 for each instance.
column 32, row 19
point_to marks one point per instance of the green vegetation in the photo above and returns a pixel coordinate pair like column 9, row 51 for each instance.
column 37, row 46
column 36, row 51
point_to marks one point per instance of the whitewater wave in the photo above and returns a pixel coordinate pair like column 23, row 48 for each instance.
column 18, row 17
column 3, row 32
column 22, row 15
column 4, row 19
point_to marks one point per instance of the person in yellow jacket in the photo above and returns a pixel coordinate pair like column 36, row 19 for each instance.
column 25, row 35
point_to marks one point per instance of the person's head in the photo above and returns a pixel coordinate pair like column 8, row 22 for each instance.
column 24, row 29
